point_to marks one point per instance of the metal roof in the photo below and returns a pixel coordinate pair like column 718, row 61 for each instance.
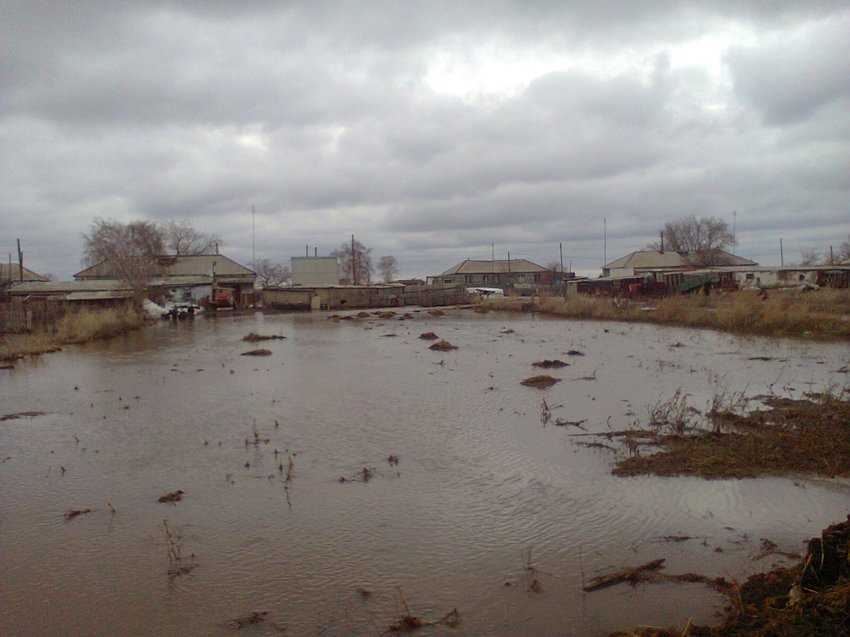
column 180, row 265
column 12, row 272
column 646, row 259
column 67, row 287
column 498, row 266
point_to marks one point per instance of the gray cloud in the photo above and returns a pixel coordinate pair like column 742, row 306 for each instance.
column 321, row 116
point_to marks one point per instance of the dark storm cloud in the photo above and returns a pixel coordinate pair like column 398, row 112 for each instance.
column 322, row 117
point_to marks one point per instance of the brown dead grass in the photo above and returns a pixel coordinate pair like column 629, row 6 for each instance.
column 76, row 327
column 789, row 436
column 822, row 313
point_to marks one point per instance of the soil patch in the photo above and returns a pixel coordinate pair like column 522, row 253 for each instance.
column 547, row 364
column 253, row 337
column 442, row 346
column 257, row 352
column 789, row 436
column 540, row 382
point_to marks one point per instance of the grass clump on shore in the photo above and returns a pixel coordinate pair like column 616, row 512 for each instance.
column 809, row 436
column 821, row 313
column 75, row 327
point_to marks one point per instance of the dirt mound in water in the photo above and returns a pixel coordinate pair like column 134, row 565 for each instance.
column 258, row 352
column 540, row 382
column 428, row 336
column 253, row 337
column 442, row 346
column 436, row 312
column 547, row 364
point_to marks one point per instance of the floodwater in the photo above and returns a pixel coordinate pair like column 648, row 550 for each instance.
column 484, row 499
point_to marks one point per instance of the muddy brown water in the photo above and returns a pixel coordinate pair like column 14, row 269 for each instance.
column 479, row 478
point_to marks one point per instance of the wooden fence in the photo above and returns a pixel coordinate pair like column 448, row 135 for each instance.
column 22, row 317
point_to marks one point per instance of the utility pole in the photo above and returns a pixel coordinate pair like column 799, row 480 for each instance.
column 604, row 240
column 734, row 230
column 781, row 256
column 253, row 239
column 561, row 250
column 353, row 263
column 20, row 264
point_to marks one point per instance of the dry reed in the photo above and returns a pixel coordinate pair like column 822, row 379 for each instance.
column 823, row 313
column 75, row 327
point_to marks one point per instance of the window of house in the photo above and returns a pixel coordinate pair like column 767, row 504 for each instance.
column 537, row 278
column 447, row 280
column 750, row 276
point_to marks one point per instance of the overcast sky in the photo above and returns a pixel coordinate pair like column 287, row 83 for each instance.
column 430, row 130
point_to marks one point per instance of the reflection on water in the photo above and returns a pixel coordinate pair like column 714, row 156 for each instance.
column 479, row 479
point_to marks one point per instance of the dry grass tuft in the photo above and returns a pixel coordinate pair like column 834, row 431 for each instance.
column 76, row 327
column 822, row 313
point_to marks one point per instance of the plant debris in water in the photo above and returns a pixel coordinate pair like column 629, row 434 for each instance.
column 442, row 346
column 22, row 414
column 810, row 598
column 540, row 382
column 74, row 513
column 805, row 436
column 257, row 352
column 173, row 497
column 239, row 623
column 253, row 337
column 549, row 364
column 407, row 622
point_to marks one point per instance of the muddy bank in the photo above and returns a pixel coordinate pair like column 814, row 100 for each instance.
column 810, row 436
column 809, row 598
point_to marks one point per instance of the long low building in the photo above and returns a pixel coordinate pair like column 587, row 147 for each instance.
column 503, row 273
column 333, row 297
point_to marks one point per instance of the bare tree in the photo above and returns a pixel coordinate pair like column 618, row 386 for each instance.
column 181, row 237
column 388, row 267
column 555, row 266
column 702, row 237
column 810, row 257
column 271, row 274
column 130, row 252
column 843, row 251
column 354, row 262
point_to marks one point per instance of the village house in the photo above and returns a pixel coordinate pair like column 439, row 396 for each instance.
column 660, row 271
column 12, row 274
column 518, row 274
column 190, row 278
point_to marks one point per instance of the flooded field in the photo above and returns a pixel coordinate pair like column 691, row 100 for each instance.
column 468, row 500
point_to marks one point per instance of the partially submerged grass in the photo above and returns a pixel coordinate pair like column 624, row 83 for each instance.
column 822, row 313
column 76, row 327
column 810, row 436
